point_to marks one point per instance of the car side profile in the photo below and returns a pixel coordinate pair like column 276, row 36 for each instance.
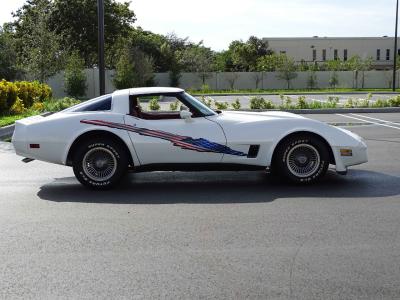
column 104, row 138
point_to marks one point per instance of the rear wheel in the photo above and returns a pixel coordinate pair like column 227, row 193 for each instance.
column 302, row 159
column 100, row 163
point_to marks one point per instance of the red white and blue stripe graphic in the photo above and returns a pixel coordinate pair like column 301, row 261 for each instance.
column 184, row 142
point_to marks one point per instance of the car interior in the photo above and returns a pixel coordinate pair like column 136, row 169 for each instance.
column 139, row 107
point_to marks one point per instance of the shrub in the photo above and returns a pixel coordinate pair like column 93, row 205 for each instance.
column 394, row 102
column 260, row 103
column 332, row 102
column 75, row 77
column 351, row 102
column 257, row 102
column 27, row 92
column 206, row 101
column 174, row 105
column 268, row 104
column 221, row 105
column 30, row 92
column 8, row 96
column 380, row 103
column 205, row 88
column 38, row 106
column 61, row 104
column 286, row 102
column 236, row 104
column 302, row 103
column 18, row 107
column 154, row 105
column 315, row 105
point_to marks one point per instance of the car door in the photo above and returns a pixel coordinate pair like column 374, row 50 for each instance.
column 169, row 141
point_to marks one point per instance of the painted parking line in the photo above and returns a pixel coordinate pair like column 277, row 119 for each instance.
column 376, row 119
column 368, row 121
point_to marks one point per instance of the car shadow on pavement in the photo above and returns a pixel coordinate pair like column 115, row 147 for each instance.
column 221, row 187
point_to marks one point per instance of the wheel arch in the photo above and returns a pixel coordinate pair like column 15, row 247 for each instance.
column 95, row 134
column 304, row 132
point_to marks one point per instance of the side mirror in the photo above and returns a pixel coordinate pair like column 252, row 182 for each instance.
column 185, row 114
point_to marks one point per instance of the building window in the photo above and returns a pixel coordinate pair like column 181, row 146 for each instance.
column 335, row 54
column 378, row 54
column 324, row 54
column 387, row 54
column 314, row 55
column 345, row 54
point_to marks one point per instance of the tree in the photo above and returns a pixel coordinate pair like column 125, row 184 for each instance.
column 287, row 71
column 8, row 62
column 39, row 50
column 197, row 59
column 334, row 80
column 76, row 22
column 245, row 54
column 75, row 77
column 223, row 61
column 124, row 73
column 359, row 65
column 312, row 80
column 134, row 69
column 257, row 77
column 231, row 78
column 270, row 63
column 174, row 66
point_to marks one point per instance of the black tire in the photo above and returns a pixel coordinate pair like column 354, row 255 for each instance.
column 100, row 163
column 302, row 159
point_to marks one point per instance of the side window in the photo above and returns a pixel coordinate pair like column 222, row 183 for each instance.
column 160, row 103
column 98, row 105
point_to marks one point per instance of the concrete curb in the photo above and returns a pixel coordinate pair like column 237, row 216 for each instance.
column 296, row 93
column 332, row 110
column 7, row 131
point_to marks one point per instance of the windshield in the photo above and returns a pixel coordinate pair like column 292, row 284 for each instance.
column 204, row 109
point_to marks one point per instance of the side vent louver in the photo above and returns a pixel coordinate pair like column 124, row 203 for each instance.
column 253, row 151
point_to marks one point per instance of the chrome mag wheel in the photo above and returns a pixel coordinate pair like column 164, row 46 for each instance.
column 99, row 164
column 303, row 160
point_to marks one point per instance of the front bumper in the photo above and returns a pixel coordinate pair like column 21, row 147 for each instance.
column 359, row 156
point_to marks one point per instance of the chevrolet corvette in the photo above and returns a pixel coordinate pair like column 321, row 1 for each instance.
column 104, row 138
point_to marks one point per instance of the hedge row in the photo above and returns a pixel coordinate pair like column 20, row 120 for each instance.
column 15, row 97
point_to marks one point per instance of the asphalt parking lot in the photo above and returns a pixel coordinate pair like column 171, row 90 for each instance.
column 225, row 235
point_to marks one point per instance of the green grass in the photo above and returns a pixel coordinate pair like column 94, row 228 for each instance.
column 285, row 91
column 8, row 120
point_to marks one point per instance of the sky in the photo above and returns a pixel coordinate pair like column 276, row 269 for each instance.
column 218, row 22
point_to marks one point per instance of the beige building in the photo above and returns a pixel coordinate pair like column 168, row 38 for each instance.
column 321, row 49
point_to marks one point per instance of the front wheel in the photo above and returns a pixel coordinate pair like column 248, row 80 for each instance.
column 302, row 159
column 100, row 163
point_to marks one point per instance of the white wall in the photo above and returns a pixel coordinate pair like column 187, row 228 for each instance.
column 302, row 48
column 244, row 80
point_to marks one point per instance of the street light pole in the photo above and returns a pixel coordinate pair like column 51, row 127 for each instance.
column 395, row 47
column 102, row 75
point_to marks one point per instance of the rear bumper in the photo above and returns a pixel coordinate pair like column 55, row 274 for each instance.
column 49, row 150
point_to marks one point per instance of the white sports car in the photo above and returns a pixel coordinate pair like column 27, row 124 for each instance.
column 105, row 137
